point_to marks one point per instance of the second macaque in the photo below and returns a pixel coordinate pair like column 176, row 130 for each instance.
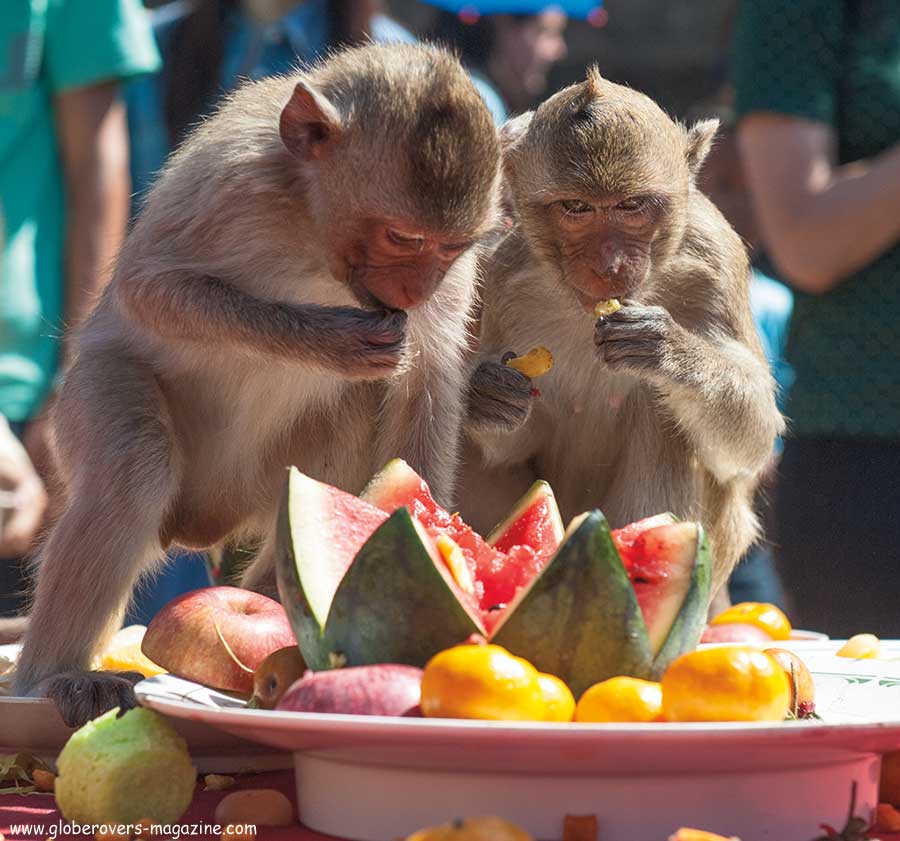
column 296, row 291
column 664, row 405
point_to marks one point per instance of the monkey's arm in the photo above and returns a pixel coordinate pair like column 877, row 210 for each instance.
column 718, row 390
column 498, row 399
column 197, row 308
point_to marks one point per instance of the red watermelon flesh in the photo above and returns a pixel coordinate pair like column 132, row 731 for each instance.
column 658, row 554
column 525, row 542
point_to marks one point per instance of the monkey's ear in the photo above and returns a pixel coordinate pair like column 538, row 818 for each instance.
column 700, row 138
column 511, row 131
column 310, row 125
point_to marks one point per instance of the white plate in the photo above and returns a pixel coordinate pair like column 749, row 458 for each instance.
column 34, row 725
column 376, row 778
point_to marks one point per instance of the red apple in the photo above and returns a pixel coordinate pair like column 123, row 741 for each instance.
column 736, row 632
column 217, row 636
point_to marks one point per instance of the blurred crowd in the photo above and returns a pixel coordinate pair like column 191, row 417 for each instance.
column 94, row 94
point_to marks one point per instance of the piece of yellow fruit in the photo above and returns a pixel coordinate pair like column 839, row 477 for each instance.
column 453, row 557
column 605, row 308
column 887, row 818
column 536, row 362
column 861, row 647
column 123, row 654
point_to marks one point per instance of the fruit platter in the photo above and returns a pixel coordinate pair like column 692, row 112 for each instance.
column 418, row 672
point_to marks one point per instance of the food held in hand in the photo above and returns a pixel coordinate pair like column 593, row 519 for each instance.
column 385, row 689
column 481, row 681
column 120, row 770
column 217, row 636
column 473, row 829
column 803, row 688
column 621, row 699
column 537, row 362
column 393, row 578
column 889, row 787
column 861, row 647
column 766, row 617
column 559, row 703
column 605, row 308
column 274, row 675
column 734, row 683
column 123, row 653
column 736, row 632
column 258, row 806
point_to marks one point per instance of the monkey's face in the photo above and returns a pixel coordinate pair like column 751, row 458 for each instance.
column 394, row 264
column 601, row 247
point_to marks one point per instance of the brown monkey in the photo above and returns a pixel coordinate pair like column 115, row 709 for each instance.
column 295, row 291
column 665, row 405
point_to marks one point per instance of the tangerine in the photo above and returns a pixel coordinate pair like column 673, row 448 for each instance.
column 766, row 617
column 621, row 699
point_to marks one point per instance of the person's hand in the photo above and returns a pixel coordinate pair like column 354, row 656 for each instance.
column 23, row 499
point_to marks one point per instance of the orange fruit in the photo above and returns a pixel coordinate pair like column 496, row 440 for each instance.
column 481, row 681
column 123, row 654
column 620, row 699
column 687, row 834
column 764, row 616
column 734, row 683
column 559, row 703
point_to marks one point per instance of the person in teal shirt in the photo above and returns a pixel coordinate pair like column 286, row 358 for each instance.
column 64, row 189
column 818, row 106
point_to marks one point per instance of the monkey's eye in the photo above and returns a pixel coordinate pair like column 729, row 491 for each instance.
column 574, row 207
column 410, row 242
column 632, row 205
column 454, row 249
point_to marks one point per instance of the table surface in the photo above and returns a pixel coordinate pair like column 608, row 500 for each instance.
column 39, row 810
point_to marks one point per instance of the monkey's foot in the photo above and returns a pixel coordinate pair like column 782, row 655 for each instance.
column 82, row 696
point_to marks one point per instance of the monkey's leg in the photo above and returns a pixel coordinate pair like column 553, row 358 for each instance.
column 114, row 448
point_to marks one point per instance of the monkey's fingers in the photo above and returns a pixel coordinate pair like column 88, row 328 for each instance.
column 82, row 696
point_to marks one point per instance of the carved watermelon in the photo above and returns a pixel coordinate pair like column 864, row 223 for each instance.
column 392, row 577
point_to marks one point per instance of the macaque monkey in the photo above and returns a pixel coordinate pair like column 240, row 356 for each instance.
column 666, row 404
column 296, row 290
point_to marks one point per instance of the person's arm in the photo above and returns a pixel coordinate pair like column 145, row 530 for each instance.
column 820, row 221
column 93, row 142
column 23, row 499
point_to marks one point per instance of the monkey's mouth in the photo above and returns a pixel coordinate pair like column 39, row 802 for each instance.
column 363, row 296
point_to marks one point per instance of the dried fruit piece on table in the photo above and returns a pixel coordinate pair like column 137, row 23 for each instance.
column 43, row 780
column 481, row 681
column 259, row 806
column 473, row 829
column 887, row 818
column 687, row 834
column 621, row 699
column 580, row 828
column 238, row 832
column 605, row 308
column 861, row 647
column 734, row 683
column 766, row 617
column 217, row 782
column 537, row 362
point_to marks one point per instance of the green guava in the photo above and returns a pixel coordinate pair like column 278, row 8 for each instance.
column 121, row 770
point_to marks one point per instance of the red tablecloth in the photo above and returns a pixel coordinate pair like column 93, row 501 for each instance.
column 39, row 811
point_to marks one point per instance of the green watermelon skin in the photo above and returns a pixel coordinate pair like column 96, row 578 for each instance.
column 687, row 628
column 385, row 607
column 580, row 619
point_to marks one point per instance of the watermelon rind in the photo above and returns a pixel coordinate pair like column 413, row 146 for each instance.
column 396, row 604
column 580, row 619
column 539, row 490
column 395, row 479
column 687, row 628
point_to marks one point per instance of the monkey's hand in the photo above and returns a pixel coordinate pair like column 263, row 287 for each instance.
column 360, row 344
column 499, row 397
column 639, row 339
column 82, row 696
